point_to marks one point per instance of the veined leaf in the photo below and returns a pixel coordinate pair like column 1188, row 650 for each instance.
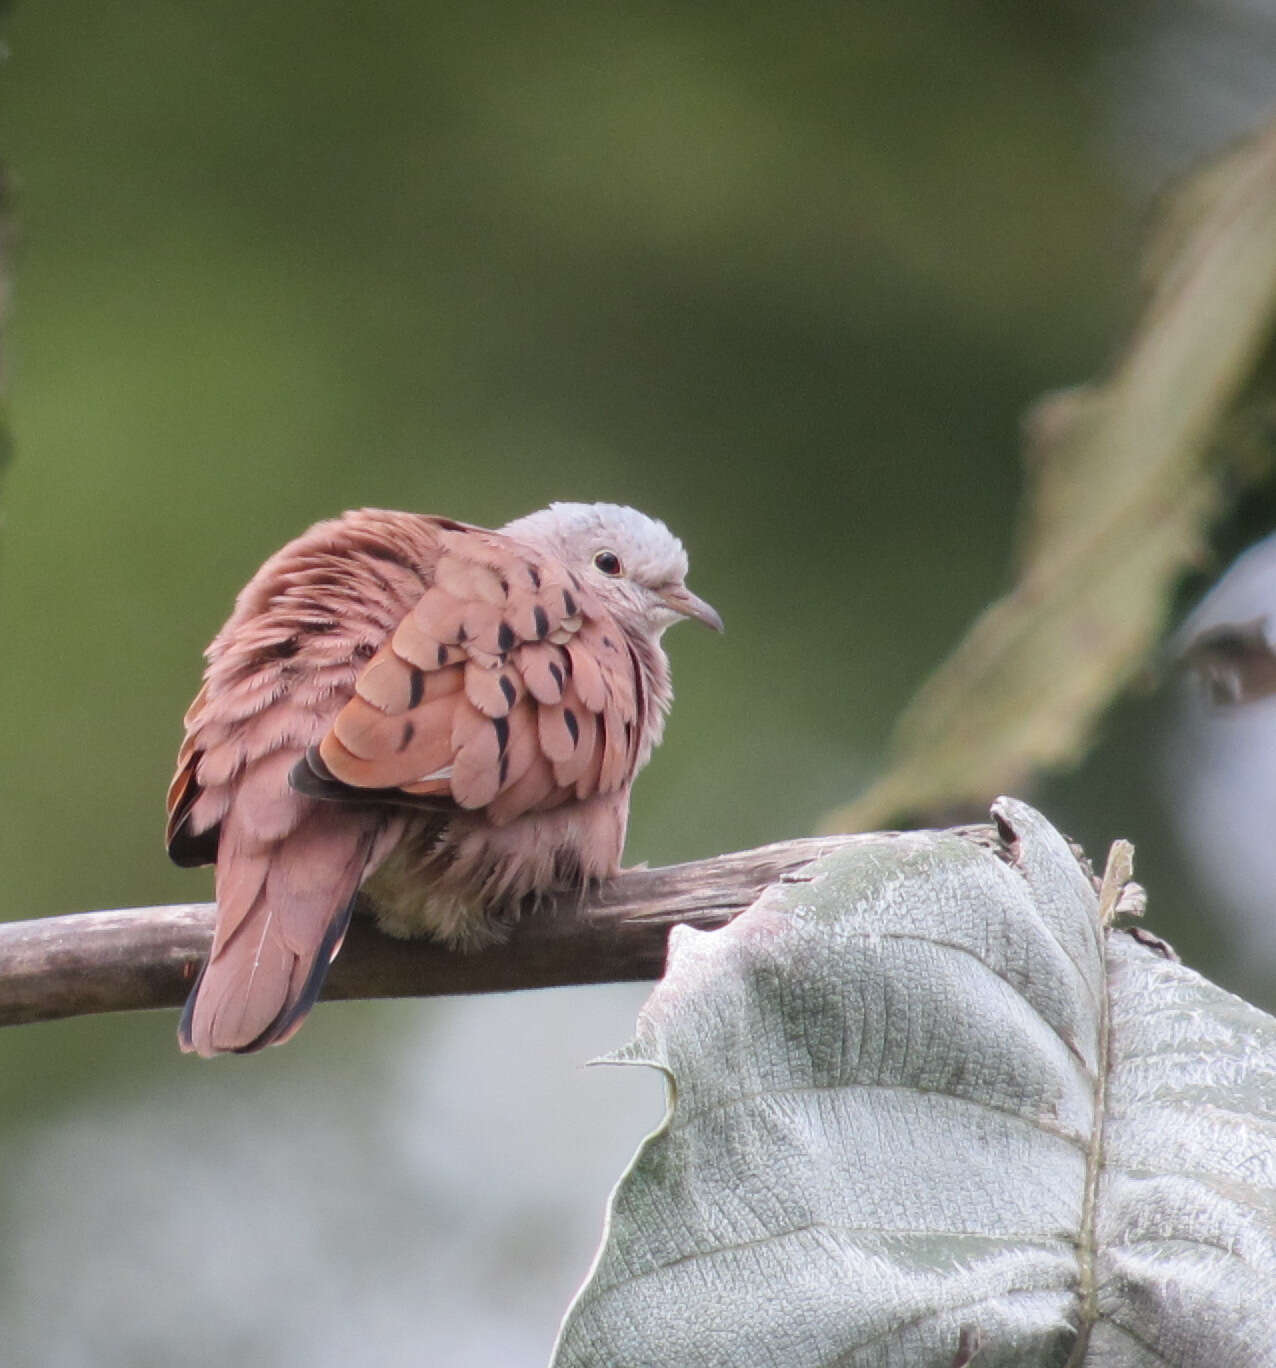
column 924, row 1109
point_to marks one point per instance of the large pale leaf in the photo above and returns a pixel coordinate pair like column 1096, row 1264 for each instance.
column 924, row 1105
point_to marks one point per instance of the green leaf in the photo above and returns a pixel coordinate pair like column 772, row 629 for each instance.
column 923, row 1106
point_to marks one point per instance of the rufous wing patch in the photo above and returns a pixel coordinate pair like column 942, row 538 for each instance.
column 504, row 687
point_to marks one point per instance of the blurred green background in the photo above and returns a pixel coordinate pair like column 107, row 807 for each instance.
column 783, row 277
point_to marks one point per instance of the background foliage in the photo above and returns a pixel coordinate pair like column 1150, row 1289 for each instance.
column 784, row 278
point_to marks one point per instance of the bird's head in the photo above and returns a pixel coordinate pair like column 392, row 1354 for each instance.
column 635, row 565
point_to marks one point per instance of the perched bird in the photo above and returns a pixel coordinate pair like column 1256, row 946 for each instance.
column 458, row 712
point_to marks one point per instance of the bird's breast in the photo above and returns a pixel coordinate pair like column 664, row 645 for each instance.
column 464, row 883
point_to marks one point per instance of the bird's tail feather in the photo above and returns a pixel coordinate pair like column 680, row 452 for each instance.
column 285, row 905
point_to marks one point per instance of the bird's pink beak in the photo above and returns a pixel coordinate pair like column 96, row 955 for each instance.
column 686, row 604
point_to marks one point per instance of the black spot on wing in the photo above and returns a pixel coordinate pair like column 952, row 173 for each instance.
column 502, row 725
column 505, row 637
column 186, row 848
column 556, row 670
column 640, row 690
column 313, row 778
column 409, row 731
column 192, row 851
column 392, row 555
column 416, row 687
column 507, row 688
column 569, row 718
column 541, row 618
column 278, row 650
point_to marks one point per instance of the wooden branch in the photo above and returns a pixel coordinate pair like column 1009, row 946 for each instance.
column 146, row 957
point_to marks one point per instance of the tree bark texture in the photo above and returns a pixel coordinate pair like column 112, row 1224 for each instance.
column 146, row 957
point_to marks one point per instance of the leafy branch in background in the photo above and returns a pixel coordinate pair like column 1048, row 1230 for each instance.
column 1124, row 477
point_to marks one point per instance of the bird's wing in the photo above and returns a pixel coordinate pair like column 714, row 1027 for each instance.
column 288, row 867
column 507, row 687
column 288, row 656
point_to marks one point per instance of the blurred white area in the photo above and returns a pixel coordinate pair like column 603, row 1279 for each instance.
column 439, row 1204
column 1245, row 594
column 1220, row 763
column 1179, row 80
column 1183, row 78
column 1220, row 767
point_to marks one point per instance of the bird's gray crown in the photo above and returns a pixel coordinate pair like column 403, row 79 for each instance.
column 649, row 552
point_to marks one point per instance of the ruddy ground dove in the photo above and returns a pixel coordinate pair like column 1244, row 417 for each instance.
column 458, row 712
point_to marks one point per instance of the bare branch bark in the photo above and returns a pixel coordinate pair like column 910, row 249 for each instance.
column 145, row 957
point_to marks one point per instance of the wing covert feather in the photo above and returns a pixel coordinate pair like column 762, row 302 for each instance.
column 505, row 686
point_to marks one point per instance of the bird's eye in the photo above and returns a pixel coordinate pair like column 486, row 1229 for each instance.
column 608, row 562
